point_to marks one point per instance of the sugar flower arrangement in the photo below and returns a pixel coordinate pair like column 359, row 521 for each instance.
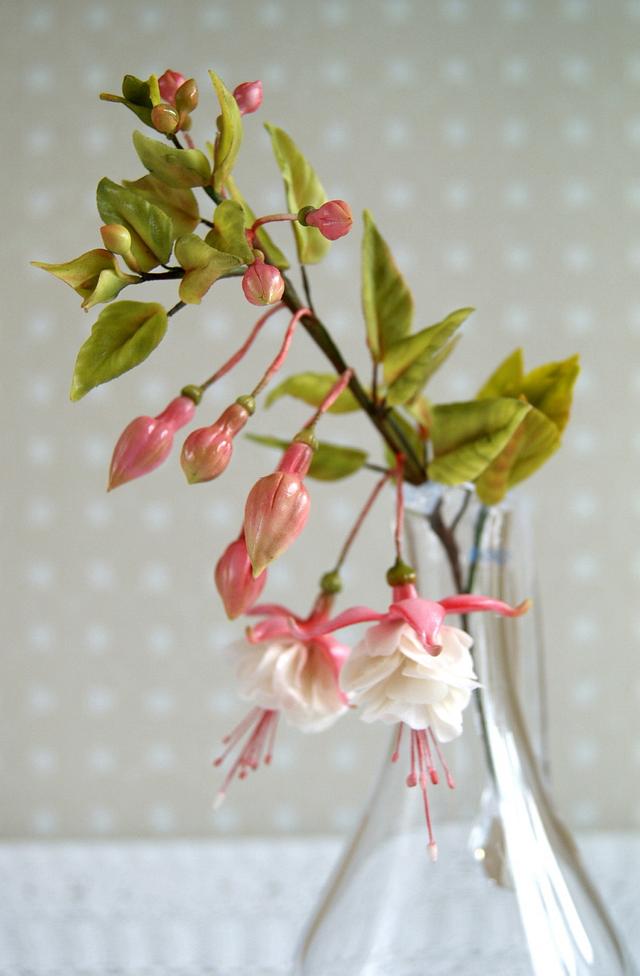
column 411, row 669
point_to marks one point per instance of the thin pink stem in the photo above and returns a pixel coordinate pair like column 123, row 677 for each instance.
column 244, row 348
column 268, row 219
column 284, row 350
column 360, row 520
column 331, row 397
column 399, row 529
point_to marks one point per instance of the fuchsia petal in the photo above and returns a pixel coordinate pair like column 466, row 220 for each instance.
column 354, row 615
column 424, row 616
column 272, row 628
column 471, row 602
column 273, row 610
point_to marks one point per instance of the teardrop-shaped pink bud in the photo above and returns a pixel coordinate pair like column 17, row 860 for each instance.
column 275, row 514
column 262, row 283
column 333, row 219
column 235, row 581
column 207, row 451
column 168, row 83
column 248, row 95
column 146, row 442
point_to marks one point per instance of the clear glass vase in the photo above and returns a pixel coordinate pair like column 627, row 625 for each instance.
column 508, row 895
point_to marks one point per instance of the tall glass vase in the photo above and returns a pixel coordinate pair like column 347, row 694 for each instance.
column 508, row 895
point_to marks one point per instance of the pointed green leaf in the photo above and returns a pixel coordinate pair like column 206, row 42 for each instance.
column 122, row 337
column 180, row 206
column 272, row 252
column 331, row 462
column 531, row 444
column 228, row 233
column 466, row 437
column 203, row 266
column 139, row 96
column 95, row 276
column 312, row 388
column 229, row 136
column 150, row 228
column 175, row 167
column 303, row 189
column 506, row 380
column 409, row 363
column 550, row 389
column 413, row 441
column 386, row 300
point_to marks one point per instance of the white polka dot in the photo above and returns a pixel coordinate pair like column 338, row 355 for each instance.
column 334, row 14
column 98, row 638
column 456, row 71
column 94, row 140
column 518, row 258
column 578, row 258
column 584, row 504
column 40, row 574
column 584, row 629
column 516, row 319
column 161, row 640
column 515, row 133
column 98, row 512
column 160, row 757
column 39, row 140
column 455, row 9
column 397, row 133
column 226, row 818
column 576, row 9
column 39, row 78
column 41, row 700
column 41, row 325
column 102, row 820
column 44, row 820
column 161, row 818
column 42, row 637
column 398, row 11
column 633, row 257
column 456, row 133
column 633, row 68
column 40, row 19
column 584, row 691
column 285, row 817
column 400, row 71
column 39, row 389
column 585, row 753
column 336, row 135
column 343, row 818
column 43, row 760
column 97, row 451
column 157, row 515
column 516, row 70
column 99, row 700
column 577, row 194
column 156, row 578
column 458, row 258
column 40, row 512
column 150, row 18
column 578, row 131
column 39, row 203
column 400, row 195
column 585, row 567
column 344, row 757
column 457, row 195
column 101, row 760
column 633, row 130
column 97, row 17
column 516, row 9
column 270, row 14
column 159, row 702
column 576, row 70
column 517, row 195
column 100, row 575
column 585, row 813
column 581, row 440
column 336, row 73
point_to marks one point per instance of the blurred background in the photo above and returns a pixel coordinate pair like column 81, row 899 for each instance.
column 497, row 145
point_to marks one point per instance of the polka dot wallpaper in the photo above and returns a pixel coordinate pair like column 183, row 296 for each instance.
column 497, row 144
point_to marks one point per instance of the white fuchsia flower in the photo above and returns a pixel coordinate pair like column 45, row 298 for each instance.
column 284, row 668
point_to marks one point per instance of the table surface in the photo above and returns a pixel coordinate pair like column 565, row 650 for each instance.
column 202, row 908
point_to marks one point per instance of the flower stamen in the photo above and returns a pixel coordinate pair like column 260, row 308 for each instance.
column 422, row 770
column 261, row 724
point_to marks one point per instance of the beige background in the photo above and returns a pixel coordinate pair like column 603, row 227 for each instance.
column 497, row 143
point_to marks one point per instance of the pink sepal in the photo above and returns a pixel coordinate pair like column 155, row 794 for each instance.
column 424, row 616
column 296, row 459
column 234, row 580
column 275, row 514
column 348, row 618
column 146, row 442
column 472, row 603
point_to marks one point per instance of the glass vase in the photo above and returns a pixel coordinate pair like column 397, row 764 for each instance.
column 508, row 895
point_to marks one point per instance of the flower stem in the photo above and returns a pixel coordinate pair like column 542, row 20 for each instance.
column 368, row 505
column 330, row 398
column 284, row 350
column 238, row 355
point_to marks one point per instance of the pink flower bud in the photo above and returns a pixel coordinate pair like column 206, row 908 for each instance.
column 277, row 508
column 248, row 95
column 332, row 219
column 146, row 442
column 262, row 284
column 168, row 83
column 207, row 451
column 234, row 580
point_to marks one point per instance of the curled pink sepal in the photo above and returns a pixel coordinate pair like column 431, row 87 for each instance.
column 424, row 616
column 474, row 603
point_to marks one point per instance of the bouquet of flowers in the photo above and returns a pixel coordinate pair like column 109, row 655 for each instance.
column 411, row 669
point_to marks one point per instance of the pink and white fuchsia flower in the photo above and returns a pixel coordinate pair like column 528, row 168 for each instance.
column 285, row 667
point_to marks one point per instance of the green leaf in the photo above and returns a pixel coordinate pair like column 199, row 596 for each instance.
column 123, row 336
column 531, row 444
column 386, row 300
column 228, row 233
column 331, row 462
column 229, row 136
column 409, row 363
column 150, row 228
column 550, row 389
column 176, row 167
column 312, row 388
column 412, row 438
column 203, row 265
column 303, row 189
column 139, row 96
column 466, row 437
column 272, row 252
column 506, row 380
column 180, row 206
column 95, row 276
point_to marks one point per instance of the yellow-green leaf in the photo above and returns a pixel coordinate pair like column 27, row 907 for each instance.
column 229, row 136
column 386, row 300
column 413, row 441
column 331, row 462
column 302, row 189
column 312, row 388
column 550, row 389
column 149, row 226
column 95, row 276
column 203, row 266
column 139, row 96
column 531, row 444
column 122, row 337
column 175, row 167
column 506, row 380
column 409, row 363
column 271, row 250
column 180, row 205
column 466, row 437
column 228, row 233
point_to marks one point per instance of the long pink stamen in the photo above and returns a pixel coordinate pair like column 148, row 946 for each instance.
column 412, row 779
column 396, row 752
column 262, row 722
column 447, row 772
column 433, row 773
column 420, row 737
column 432, row 847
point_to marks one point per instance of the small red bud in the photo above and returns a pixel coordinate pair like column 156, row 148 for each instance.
column 333, row 219
column 207, row 451
column 168, row 83
column 262, row 283
column 248, row 95
column 234, row 580
column 146, row 442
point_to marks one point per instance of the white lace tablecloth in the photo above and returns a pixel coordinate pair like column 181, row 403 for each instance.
column 201, row 908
